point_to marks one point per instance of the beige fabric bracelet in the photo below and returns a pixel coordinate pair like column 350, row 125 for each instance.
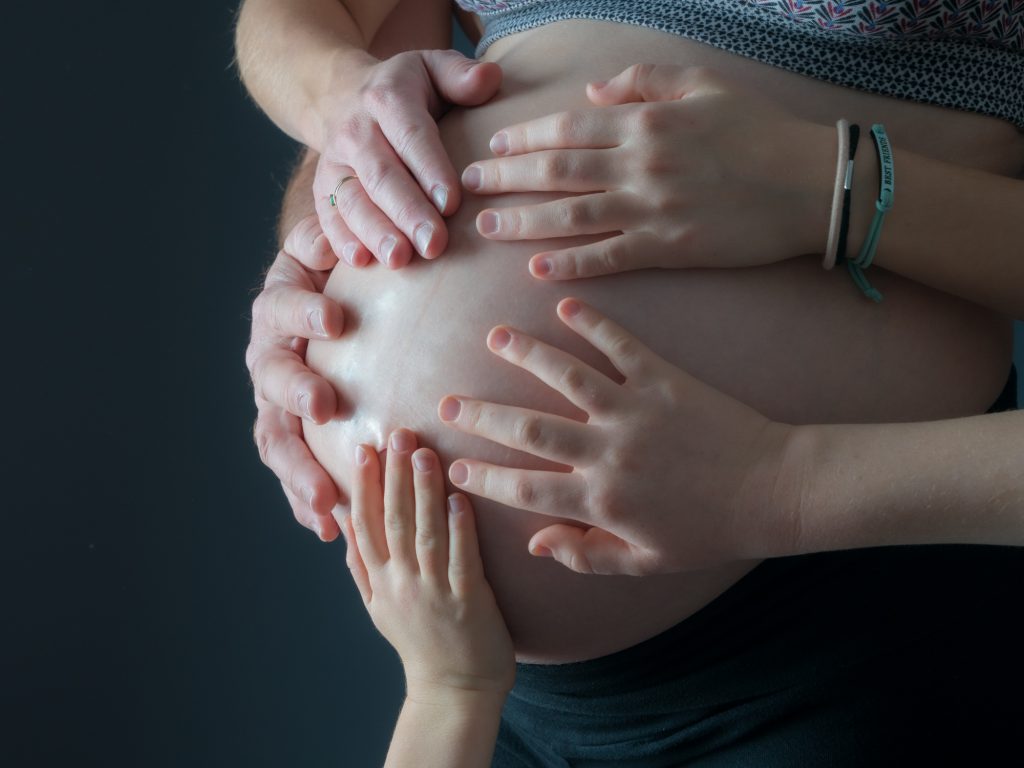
column 843, row 129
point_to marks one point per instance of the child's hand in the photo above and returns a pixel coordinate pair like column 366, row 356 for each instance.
column 668, row 474
column 419, row 572
column 676, row 167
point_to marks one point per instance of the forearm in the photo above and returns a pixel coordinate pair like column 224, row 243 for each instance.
column 954, row 481
column 443, row 732
column 953, row 228
column 291, row 54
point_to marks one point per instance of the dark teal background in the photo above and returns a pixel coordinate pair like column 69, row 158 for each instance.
column 160, row 605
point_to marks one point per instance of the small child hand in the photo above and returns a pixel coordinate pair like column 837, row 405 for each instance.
column 419, row 573
column 668, row 474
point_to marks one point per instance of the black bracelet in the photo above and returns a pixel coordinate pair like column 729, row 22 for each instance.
column 844, row 227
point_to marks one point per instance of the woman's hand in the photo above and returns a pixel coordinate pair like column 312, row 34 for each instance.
column 419, row 573
column 672, row 474
column 699, row 173
column 289, row 311
column 380, row 126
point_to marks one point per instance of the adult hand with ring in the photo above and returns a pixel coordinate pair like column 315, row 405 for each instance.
column 383, row 180
column 676, row 167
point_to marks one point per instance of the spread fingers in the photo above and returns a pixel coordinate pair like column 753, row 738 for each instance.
column 544, row 435
column 530, row 490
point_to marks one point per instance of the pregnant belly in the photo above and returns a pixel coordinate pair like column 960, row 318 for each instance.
column 793, row 341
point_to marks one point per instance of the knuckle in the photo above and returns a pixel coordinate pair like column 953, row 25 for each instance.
column 512, row 222
column 527, row 432
column 605, row 503
column 524, row 493
column 579, row 563
column 652, row 163
column 359, row 525
column 409, row 139
column 264, row 442
column 577, row 215
column 295, row 396
column 603, row 262
column 638, row 73
column 408, row 213
column 251, row 355
column 259, row 309
column 458, row 568
column 352, row 129
column 649, row 117
column 471, row 414
column 572, row 379
column 702, row 73
column 395, row 523
column 623, row 347
column 426, row 541
column 377, row 176
column 379, row 95
column 579, row 264
column 555, row 166
column 565, row 127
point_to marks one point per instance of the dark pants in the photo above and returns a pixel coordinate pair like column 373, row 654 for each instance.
column 892, row 656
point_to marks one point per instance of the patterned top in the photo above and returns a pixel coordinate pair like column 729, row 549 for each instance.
column 964, row 54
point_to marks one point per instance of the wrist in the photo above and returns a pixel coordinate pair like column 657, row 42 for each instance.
column 341, row 73
column 793, row 498
column 456, row 699
column 768, row 507
column 818, row 172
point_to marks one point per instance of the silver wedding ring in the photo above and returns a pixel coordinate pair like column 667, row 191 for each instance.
column 334, row 195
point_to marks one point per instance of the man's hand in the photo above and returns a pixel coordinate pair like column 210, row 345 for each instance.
column 384, row 180
column 291, row 310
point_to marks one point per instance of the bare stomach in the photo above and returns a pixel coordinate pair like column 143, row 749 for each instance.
column 797, row 343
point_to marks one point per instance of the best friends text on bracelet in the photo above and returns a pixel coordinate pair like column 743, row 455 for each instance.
column 883, row 205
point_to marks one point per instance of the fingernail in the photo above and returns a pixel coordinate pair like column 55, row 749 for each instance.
column 304, row 405
column 450, row 409
column 571, row 307
column 541, row 267
column 307, row 496
column 459, row 473
column 440, row 195
column 348, row 253
column 500, row 338
column 361, row 455
column 499, row 143
column 402, row 441
column 539, row 551
column 472, row 177
column 456, row 504
column 318, row 529
column 423, row 461
column 489, row 223
column 422, row 234
column 387, row 248
column 316, row 322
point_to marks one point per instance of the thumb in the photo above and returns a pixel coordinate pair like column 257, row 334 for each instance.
column 592, row 550
column 462, row 81
column 642, row 82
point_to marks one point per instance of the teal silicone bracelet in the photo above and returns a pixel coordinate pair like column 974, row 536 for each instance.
column 883, row 205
